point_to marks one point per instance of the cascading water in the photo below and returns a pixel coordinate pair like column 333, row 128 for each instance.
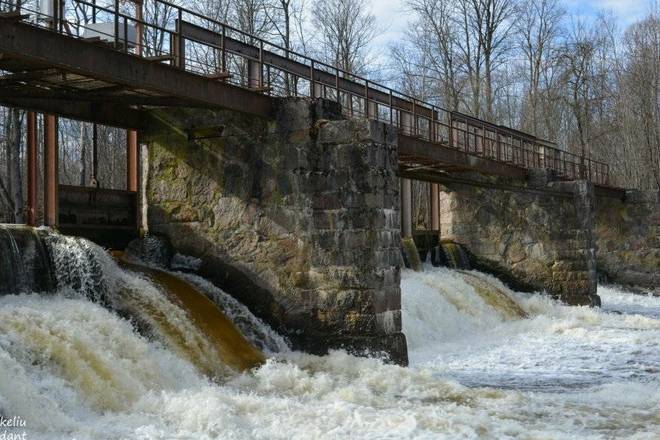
column 24, row 264
column 486, row 362
column 454, row 255
column 161, row 305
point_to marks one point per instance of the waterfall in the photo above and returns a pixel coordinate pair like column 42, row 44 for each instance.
column 116, row 349
column 24, row 262
column 160, row 305
column 454, row 255
column 444, row 304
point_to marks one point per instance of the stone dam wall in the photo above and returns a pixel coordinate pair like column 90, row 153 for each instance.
column 538, row 238
column 628, row 237
column 297, row 217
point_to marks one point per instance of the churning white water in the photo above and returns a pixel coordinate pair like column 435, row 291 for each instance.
column 485, row 363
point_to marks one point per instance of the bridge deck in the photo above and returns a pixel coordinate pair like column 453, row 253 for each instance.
column 110, row 81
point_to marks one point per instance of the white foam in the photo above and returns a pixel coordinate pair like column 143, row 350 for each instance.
column 561, row 373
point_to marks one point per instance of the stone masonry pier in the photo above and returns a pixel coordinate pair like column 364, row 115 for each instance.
column 296, row 216
column 628, row 237
column 538, row 237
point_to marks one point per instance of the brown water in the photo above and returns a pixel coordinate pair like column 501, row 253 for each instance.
column 219, row 331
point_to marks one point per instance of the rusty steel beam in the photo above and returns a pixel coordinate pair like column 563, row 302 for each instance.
column 321, row 77
column 24, row 42
column 131, row 161
column 51, row 178
column 95, row 112
column 448, row 179
column 105, row 95
column 412, row 147
column 406, row 208
column 435, row 206
column 32, row 163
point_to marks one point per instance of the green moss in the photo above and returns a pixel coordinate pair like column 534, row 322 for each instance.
column 412, row 255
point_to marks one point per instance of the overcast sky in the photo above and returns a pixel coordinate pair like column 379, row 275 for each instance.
column 391, row 15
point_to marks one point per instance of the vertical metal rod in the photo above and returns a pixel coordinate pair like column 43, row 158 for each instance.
column 58, row 19
column 311, row 80
column 391, row 109
column 414, row 115
column 180, row 45
column 337, row 84
column 131, row 161
column 224, row 51
column 260, row 76
column 432, row 127
column 95, row 155
column 139, row 16
column 125, row 34
column 366, row 99
column 406, row 208
column 435, row 207
column 93, row 11
column 131, row 135
column 452, row 136
column 116, row 13
column 51, row 180
column 32, row 168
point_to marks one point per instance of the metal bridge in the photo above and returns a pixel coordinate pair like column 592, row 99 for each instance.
column 115, row 62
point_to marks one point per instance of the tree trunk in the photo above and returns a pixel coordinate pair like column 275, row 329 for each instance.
column 14, row 169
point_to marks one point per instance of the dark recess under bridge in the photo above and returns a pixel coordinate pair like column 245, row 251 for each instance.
column 118, row 64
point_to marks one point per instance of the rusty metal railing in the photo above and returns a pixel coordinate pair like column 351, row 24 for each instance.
column 167, row 33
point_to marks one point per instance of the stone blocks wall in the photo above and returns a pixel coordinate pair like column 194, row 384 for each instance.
column 297, row 217
column 628, row 237
column 537, row 239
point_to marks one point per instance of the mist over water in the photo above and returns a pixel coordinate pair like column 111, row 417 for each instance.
column 486, row 362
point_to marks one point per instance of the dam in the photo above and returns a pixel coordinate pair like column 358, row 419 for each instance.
column 263, row 271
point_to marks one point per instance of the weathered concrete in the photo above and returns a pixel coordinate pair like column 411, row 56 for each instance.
column 297, row 217
column 628, row 237
column 537, row 239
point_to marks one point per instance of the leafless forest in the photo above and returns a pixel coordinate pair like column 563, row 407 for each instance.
column 588, row 84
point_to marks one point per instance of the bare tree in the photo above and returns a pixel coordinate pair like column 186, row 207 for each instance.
column 345, row 30
column 538, row 25
column 641, row 97
column 435, row 36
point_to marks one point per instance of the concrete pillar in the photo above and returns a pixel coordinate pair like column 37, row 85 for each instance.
column 406, row 208
column 435, row 207
column 131, row 161
column 32, row 169
column 51, row 177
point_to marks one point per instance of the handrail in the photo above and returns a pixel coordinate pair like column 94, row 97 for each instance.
column 286, row 71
